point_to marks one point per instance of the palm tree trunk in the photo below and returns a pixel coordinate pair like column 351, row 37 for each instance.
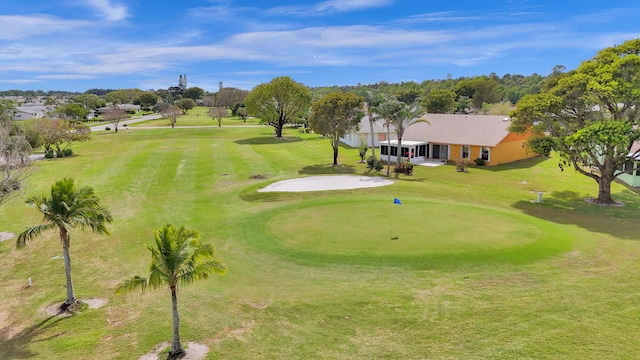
column 373, row 141
column 176, row 345
column 388, row 150
column 399, row 157
column 71, row 296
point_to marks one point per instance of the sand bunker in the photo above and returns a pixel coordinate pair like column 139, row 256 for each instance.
column 321, row 183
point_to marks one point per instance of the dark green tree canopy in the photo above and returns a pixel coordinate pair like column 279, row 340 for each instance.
column 591, row 113
column 334, row 115
column 279, row 102
column 440, row 101
column 194, row 93
column 186, row 104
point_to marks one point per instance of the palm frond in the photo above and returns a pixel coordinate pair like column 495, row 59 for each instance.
column 134, row 283
column 31, row 233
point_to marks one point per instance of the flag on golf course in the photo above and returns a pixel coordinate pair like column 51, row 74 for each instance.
column 397, row 201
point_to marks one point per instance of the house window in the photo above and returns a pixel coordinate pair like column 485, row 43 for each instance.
column 384, row 150
column 394, row 151
column 627, row 167
column 422, row 150
column 405, row 152
column 465, row 153
column 484, row 153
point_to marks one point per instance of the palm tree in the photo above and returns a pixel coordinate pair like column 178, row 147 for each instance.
column 389, row 109
column 370, row 107
column 407, row 115
column 179, row 257
column 66, row 209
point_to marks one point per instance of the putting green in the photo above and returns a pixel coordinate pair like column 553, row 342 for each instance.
column 382, row 228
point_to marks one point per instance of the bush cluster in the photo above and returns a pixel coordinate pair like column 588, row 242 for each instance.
column 406, row 167
column 374, row 163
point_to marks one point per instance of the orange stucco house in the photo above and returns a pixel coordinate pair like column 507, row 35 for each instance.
column 462, row 137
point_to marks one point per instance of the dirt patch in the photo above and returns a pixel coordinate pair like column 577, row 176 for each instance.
column 234, row 333
column 594, row 202
column 259, row 306
column 95, row 303
column 193, row 351
column 54, row 310
column 5, row 235
column 259, row 176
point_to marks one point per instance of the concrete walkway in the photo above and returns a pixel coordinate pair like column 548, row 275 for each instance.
column 133, row 120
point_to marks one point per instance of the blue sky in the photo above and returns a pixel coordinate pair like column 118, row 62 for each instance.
column 76, row 45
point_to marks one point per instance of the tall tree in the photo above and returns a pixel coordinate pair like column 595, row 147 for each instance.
column 217, row 113
column 122, row 96
column 74, row 111
column 371, row 103
column 89, row 101
column 58, row 134
column 14, row 154
column 185, row 104
column 278, row 102
column 194, row 93
column 147, row 99
column 67, row 208
column 592, row 114
column 334, row 115
column 178, row 258
column 230, row 96
column 172, row 112
column 114, row 115
column 401, row 116
column 440, row 101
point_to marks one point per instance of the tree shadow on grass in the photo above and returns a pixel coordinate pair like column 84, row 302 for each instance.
column 519, row 164
column 16, row 347
column 268, row 140
column 327, row 170
column 570, row 208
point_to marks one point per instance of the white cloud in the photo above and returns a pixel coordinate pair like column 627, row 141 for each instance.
column 16, row 27
column 111, row 12
column 17, row 81
column 327, row 7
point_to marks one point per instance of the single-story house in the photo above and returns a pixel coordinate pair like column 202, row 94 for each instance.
column 130, row 108
column 363, row 134
column 30, row 112
column 461, row 137
column 629, row 172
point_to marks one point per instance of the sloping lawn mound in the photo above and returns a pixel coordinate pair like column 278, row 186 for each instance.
column 419, row 233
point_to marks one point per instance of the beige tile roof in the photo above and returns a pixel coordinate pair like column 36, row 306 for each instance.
column 479, row 130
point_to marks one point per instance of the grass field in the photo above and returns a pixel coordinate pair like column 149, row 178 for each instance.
column 478, row 271
column 199, row 116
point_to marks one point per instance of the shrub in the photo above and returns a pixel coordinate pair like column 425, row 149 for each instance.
column 374, row 163
column 67, row 152
column 479, row 161
column 461, row 166
column 48, row 154
column 362, row 151
column 107, row 128
column 406, row 167
column 371, row 161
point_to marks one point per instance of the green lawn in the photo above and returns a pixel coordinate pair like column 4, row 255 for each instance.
column 199, row 116
column 477, row 271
